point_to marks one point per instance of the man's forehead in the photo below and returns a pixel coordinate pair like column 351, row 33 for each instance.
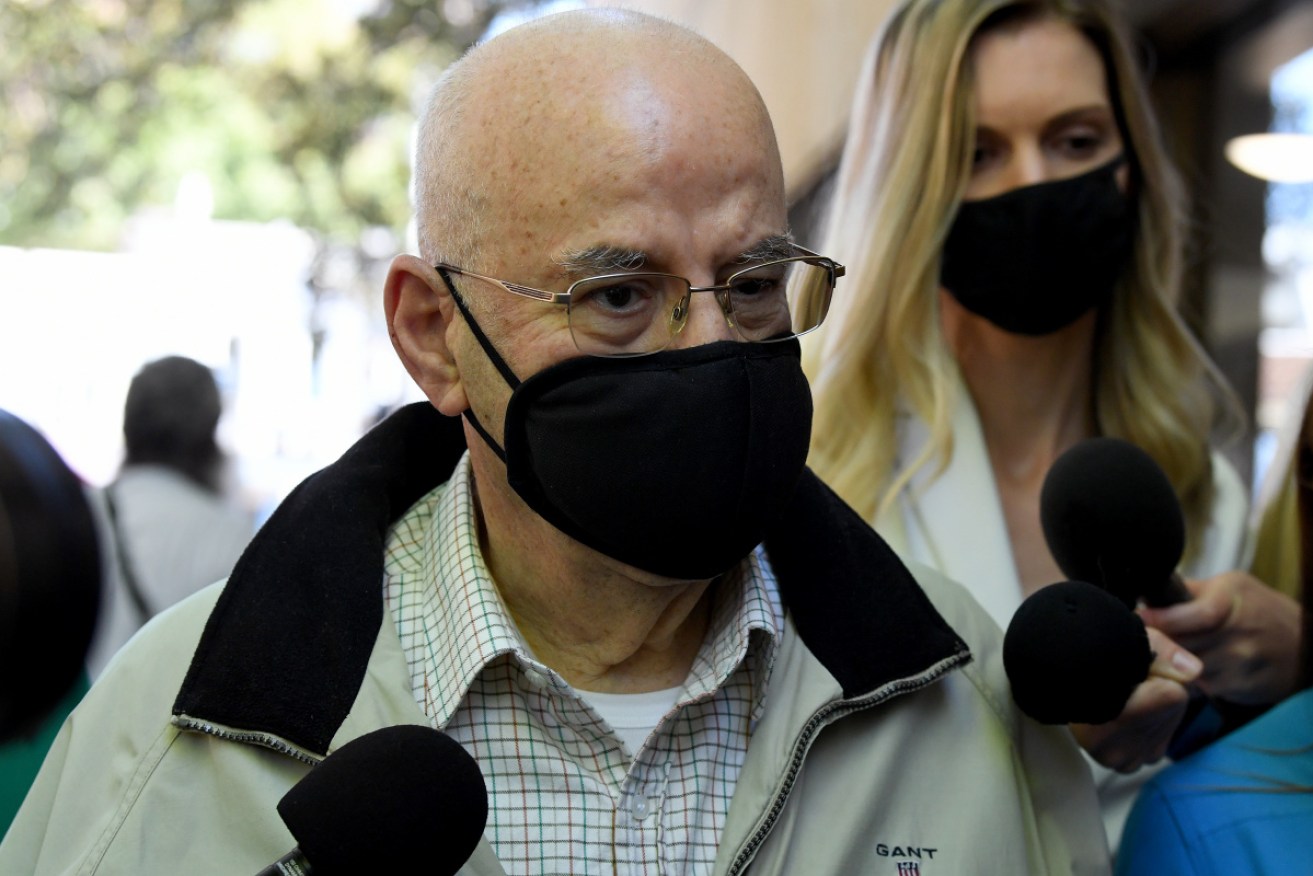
column 567, row 141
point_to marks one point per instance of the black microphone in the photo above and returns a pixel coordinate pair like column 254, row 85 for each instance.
column 382, row 802
column 50, row 578
column 1075, row 653
column 1111, row 517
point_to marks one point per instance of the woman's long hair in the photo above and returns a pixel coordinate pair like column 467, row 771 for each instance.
column 905, row 166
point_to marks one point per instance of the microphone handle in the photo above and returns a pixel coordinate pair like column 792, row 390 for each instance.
column 1227, row 716
column 291, row 864
column 1172, row 592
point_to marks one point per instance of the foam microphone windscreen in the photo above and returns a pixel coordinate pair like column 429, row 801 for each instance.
column 50, row 578
column 1111, row 517
column 386, row 800
column 1074, row 653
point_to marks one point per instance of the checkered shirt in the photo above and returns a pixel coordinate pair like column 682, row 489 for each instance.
column 564, row 794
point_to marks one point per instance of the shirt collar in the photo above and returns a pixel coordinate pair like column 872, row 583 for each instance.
column 747, row 613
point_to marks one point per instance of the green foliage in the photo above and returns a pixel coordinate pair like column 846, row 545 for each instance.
column 293, row 109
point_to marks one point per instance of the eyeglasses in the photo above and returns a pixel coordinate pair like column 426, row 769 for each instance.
column 638, row 313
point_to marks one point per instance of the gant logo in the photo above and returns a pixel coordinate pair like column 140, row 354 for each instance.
column 909, row 857
column 918, row 852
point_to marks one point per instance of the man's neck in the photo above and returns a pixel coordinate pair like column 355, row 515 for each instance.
column 603, row 626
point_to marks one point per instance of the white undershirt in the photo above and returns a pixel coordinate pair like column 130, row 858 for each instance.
column 633, row 717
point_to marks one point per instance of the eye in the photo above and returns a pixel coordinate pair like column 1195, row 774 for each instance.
column 763, row 281
column 1081, row 143
column 760, row 302
column 617, row 297
column 1084, row 137
column 750, row 287
column 985, row 153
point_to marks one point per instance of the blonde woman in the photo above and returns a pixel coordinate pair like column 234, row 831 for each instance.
column 1012, row 231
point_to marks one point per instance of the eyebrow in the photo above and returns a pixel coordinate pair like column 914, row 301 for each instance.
column 1089, row 112
column 604, row 259
column 1095, row 112
column 777, row 246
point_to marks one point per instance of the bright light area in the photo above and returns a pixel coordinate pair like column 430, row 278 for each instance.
column 1286, row 342
column 75, row 326
column 1275, row 157
column 1284, row 154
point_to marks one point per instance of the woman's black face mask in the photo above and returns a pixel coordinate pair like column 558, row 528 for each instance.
column 675, row 463
column 1035, row 259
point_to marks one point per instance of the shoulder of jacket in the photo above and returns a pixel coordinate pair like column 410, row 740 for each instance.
column 982, row 635
column 161, row 650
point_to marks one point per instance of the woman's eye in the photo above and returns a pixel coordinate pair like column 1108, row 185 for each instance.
column 1081, row 143
column 983, row 156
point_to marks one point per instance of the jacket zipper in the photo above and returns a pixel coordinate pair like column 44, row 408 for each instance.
column 264, row 740
column 821, row 719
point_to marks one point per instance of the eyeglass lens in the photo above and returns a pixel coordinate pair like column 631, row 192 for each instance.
column 628, row 314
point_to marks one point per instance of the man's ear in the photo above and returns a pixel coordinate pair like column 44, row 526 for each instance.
column 419, row 312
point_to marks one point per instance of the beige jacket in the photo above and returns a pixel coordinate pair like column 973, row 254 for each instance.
column 888, row 737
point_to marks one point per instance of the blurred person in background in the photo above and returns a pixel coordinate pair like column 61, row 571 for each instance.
column 1013, row 232
column 49, row 594
column 167, row 526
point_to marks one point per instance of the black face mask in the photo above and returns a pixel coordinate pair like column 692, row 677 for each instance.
column 1035, row 259
column 675, row 463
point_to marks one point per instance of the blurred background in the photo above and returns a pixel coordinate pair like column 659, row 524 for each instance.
column 228, row 180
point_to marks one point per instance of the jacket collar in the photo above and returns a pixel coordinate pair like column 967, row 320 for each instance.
column 286, row 648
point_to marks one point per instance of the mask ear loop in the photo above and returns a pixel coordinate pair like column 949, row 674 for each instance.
column 493, row 356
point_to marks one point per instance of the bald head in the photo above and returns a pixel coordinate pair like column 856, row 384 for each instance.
column 563, row 105
column 577, row 146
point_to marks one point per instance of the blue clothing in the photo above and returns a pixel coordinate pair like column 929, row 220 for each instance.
column 1241, row 805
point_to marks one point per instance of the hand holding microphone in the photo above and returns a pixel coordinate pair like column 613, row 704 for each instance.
column 1077, row 653
column 383, row 802
column 1074, row 653
column 1247, row 634
column 1111, row 517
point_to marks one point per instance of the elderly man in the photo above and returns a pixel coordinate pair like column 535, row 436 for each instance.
column 608, row 299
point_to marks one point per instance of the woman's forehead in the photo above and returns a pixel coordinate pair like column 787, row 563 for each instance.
column 1039, row 64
